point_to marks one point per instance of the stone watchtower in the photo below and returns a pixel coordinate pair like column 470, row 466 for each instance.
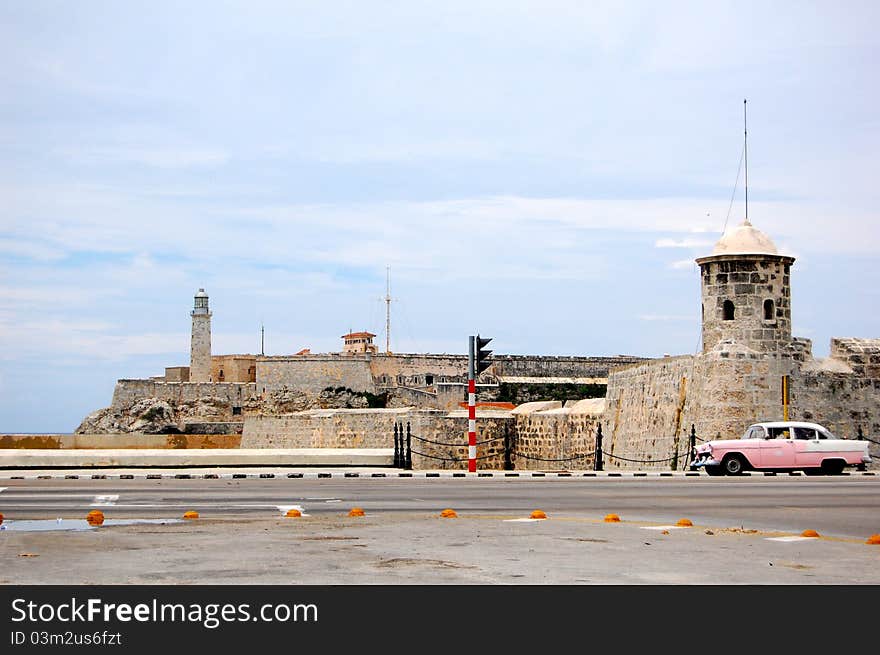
column 746, row 291
column 200, row 347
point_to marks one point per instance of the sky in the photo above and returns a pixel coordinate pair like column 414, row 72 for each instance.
column 540, row 172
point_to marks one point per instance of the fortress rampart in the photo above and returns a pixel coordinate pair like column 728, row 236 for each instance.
column 129, row 392
column 314, row 373
column 651, row 407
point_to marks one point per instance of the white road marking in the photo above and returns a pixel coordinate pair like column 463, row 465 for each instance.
column 202, row 505
column 2, row 489
column 105, row 501
column 792, row 539
column 47, row 496
column 664, row 527
column 523, row 520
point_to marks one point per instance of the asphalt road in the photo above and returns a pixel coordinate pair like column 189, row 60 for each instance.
column 746, row 531
column 844, row 507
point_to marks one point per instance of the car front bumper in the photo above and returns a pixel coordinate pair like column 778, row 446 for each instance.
column 703, row 459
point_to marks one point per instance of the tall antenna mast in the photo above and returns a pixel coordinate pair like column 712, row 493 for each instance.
column 262, row 340
column 746, row 150
column 387, row 310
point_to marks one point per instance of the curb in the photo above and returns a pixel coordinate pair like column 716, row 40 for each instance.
column 339, row 475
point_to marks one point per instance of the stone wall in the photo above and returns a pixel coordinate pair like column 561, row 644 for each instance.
column 733, row 388
column 129, row 392
column 559, row 367
column 176, row 374
column 314, row 373
column 542, row 433
column 234, row 368
column 548, row 434
column 651, row 407
column 440, row 440
column 842, row 392
column 861, row 355
column 643, row 414
column 438, row 437
column 324, row 428
column 411, row 370
column 408, row 397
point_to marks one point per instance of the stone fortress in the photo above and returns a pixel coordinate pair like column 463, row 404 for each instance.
column 347, row 399
column 750, row 369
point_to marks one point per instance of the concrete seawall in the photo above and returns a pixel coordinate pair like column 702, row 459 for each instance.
column 117, row 441
column 136, row 458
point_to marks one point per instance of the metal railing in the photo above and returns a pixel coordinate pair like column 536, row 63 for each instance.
column 403, row 450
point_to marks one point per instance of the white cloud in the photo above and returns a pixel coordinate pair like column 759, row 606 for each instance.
column 683, row 243
column 82, row 342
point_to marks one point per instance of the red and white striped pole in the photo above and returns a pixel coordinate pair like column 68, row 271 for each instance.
column 472, row 410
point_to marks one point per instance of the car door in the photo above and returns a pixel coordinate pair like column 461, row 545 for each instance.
column 778, row 449
column 807, row 451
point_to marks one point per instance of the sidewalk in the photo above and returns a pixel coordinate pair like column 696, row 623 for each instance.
column 21, row 458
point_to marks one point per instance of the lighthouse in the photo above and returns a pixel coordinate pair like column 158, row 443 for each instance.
column 200, row 347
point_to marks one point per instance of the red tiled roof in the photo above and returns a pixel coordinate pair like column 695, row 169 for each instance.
column 357, row 335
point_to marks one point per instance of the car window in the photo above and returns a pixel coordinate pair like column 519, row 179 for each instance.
column 779, row 433
column 804, row 433
column 825, row 435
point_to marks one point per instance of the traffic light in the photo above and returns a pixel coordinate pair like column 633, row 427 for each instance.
column 481, row 363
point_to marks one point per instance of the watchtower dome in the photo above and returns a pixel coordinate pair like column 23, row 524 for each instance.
column 746, row 291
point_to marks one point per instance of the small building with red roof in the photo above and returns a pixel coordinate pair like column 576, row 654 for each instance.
column 358, row 342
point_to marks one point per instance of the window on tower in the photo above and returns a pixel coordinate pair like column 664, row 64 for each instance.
column 769, row 310
column 728, row 310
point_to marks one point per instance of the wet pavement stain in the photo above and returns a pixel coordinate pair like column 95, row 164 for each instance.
column 75, row 525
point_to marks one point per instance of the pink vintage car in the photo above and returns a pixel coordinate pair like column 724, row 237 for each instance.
column 782, row 446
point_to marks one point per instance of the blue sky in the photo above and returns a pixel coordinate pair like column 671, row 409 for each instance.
column 541, row 172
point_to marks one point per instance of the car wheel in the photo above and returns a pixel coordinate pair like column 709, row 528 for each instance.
column 733, row 464
column 834, row 467
column 714, row 469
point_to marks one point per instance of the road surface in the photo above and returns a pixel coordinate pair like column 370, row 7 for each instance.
column 745, row 531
